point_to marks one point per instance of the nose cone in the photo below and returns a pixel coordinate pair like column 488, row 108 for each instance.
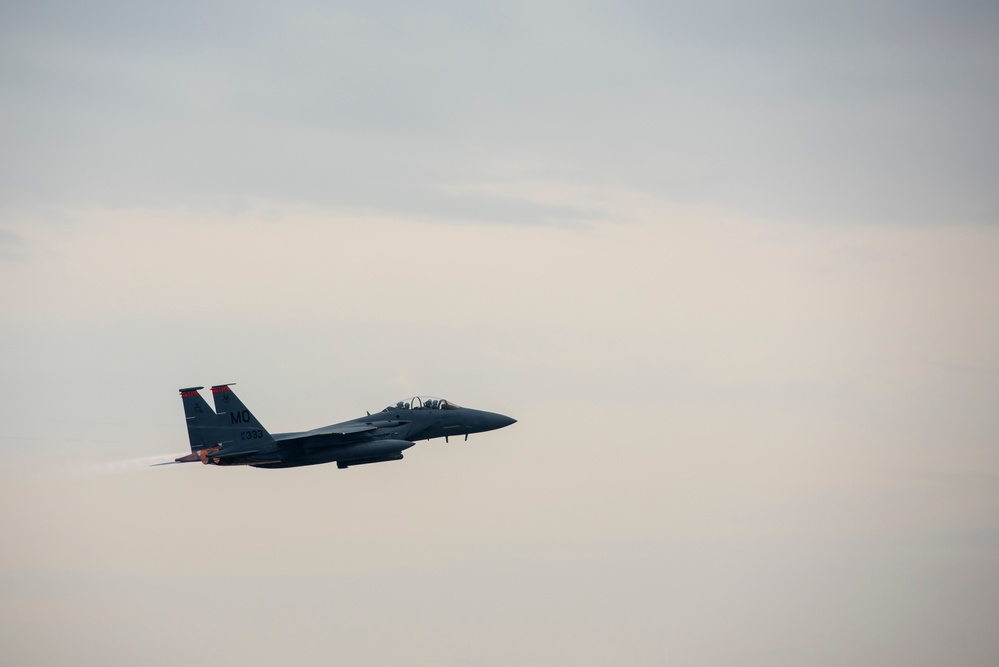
column 494, row 420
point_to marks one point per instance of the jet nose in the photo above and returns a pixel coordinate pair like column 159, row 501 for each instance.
column 505, row 421
column 494, row 420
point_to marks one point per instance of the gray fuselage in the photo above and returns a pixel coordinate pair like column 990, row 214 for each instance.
column 373, row 438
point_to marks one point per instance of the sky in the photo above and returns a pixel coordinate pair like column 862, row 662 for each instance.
column 731, row 266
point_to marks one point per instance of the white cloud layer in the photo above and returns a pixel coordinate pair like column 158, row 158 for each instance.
column 835, row 112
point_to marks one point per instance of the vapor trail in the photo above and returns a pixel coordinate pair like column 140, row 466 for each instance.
column 128, row 465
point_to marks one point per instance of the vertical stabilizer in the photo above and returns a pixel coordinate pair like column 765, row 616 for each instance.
column 202, row 424
column 235, row 421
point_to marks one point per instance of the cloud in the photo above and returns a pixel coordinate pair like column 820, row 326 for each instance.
column 822, row 114
column 12, row 246
column 721, row 397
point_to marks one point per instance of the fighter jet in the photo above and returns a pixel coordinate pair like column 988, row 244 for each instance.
column 230, row 435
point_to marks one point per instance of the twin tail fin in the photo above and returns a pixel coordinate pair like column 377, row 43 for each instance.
column 230, row 424
column 202, row 422
column 235, row 423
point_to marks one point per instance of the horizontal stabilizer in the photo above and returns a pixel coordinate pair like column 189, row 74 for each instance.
column 189, row 458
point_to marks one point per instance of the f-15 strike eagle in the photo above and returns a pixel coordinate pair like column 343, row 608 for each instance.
column 231, row 435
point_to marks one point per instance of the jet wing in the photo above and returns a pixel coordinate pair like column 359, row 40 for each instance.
column 345, row 430
column 332, row 436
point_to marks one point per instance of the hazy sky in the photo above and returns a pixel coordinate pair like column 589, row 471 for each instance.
column 732, row 266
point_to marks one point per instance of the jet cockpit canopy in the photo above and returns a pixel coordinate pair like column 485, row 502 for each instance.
column 423, row 403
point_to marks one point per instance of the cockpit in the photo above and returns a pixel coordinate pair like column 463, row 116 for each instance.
column 423, row 403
